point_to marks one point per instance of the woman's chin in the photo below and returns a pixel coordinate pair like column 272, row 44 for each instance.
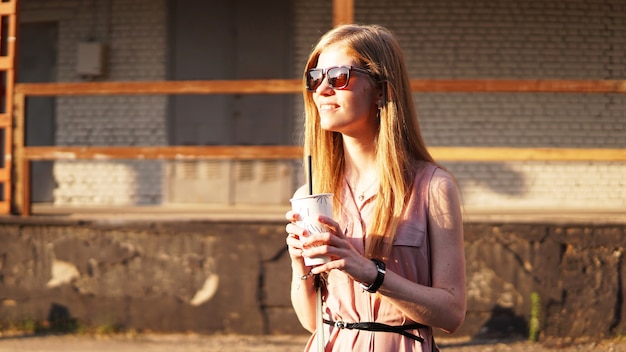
column 328, row 126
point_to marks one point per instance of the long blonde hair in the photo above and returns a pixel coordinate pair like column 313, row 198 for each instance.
column 399, row 143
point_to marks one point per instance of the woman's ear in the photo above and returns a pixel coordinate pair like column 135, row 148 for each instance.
column 380, row 102
column 382, row 94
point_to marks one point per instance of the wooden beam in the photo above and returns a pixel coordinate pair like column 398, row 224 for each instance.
column 5, row 207
column 25, row 208
column 343, row 12
column 295, row 86
column 270, row 86
column 16, row 159
column 501, row 154
column 164, row 153
column 5, row 63
column 463, row 154
column 8, row 10
column 519, row 86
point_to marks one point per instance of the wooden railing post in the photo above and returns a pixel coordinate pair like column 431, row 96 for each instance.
column 8, row 36
column 343, row 12
column 19, row 159
column 25, row 179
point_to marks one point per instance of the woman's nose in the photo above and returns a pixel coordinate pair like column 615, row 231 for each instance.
column 324, row 87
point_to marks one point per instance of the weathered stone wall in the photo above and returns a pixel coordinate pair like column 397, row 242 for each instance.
column 160, row 276
column 577, row 270
column 233, row 277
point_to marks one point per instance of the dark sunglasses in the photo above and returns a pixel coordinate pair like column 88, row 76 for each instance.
column 338, row 76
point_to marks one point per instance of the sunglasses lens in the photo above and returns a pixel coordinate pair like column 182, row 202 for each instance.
column 338, row 77
column 314, row 78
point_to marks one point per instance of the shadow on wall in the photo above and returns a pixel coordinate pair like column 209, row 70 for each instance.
column 60, row 320
column 497, row 177
column 503, row 323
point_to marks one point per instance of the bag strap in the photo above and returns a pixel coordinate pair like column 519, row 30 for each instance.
column 430, row 258
column 319, row 321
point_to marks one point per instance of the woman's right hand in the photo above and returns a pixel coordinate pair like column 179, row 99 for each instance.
column 302, row 288
column 294, row 233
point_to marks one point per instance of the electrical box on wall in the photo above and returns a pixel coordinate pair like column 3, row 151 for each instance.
column 90, row 59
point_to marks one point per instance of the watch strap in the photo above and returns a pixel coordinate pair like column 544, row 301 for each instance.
column 380, row 277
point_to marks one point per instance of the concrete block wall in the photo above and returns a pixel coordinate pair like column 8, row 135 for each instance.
column 507, row 39
column 233, row 277
column 510, row 39
column 134, row 32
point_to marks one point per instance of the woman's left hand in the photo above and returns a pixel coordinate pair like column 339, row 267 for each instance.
column 343, row 255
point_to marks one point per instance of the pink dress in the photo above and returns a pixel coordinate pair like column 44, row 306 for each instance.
column 410, row 257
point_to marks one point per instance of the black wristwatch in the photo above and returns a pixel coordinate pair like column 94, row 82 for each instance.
column 380, row 277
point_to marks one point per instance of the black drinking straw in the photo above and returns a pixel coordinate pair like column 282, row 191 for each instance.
column 319, row 322
column 310, row 175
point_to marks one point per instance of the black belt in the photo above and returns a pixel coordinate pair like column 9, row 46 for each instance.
column 372, row 326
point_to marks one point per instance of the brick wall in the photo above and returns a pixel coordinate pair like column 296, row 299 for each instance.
column 571, row 39
column 135, row 35
column 510, row 40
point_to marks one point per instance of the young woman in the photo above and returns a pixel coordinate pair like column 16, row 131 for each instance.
column 397, row 266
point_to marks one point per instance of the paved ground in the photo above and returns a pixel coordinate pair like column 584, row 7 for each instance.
column 283, row 343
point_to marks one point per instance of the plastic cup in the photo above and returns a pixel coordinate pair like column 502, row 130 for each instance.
column 308, row 209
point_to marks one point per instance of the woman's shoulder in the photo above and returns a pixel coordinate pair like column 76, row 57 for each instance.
column 444, row 192
column 442, row 177
column 434, row 177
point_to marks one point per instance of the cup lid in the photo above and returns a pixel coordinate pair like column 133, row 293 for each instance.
column 312, row 196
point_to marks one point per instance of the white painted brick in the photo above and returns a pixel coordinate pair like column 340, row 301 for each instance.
column 134, row 53
column 446, row 39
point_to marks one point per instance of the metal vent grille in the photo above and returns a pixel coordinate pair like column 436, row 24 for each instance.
column 269, row 171
column 186, row 170
column 211, row 170
column 229, row 182
column 245, row 171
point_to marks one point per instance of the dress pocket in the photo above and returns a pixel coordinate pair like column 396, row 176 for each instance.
column 411, row 235
column 409, row 253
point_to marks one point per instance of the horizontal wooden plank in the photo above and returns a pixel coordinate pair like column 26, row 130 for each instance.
column 464, row 154
column 164, row 152
column 278, row 86
column 272, row 86
column 500, row 154
column 519, row 86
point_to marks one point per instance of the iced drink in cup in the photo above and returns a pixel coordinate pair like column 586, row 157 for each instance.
column 308, row 209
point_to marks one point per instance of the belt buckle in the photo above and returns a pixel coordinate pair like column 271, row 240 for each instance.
column 340, row 324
